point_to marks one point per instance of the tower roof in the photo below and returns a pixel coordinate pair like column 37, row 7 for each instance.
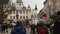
column 28, row 6
column 36, row 7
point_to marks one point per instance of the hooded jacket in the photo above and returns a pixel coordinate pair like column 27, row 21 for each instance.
column 18, row 30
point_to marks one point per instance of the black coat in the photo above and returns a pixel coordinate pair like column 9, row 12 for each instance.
column 39, row 26
column 56, row 28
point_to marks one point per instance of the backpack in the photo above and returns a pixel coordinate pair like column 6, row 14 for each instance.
column 19, row 30
column 41, row 31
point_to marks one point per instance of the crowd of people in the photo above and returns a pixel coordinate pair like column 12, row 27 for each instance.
column 4, row 27
column 40, row 28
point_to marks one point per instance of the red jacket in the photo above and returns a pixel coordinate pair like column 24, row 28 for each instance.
column 41, row 31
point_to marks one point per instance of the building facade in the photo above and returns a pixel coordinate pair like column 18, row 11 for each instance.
column 56, row 5
column 35, row 16
column 21, row 12
column 46, row 12
column 48, row 8
column 3, row 5
column 40, row 14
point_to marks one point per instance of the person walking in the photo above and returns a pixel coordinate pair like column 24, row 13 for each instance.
column 33, row 28
column 41, row 31
column 18, row 29
column 6, row 27
column 28, row 30
column 3, row 27
column 51, row 28
column 41, row 28
column 56, row 28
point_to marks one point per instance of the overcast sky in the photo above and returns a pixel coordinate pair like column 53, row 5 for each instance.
column 32, row 3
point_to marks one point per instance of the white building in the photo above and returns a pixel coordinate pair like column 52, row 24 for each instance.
column 35, row 16
column 22, row 11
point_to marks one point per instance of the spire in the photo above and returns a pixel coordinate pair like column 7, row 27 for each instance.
column 28, row 6
column 36, row 7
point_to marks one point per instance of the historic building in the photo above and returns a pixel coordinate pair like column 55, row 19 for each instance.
column 52, row 6
column 19, row 12
column 3, row 9
column 56, row 5
column 48, row 8
column 46, row 12
column 40, row 14
column 35, row 16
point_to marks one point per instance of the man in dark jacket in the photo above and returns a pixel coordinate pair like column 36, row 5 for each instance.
column 18, row 29
column 56, row 28
column 3, row 27
column 33, row 28
column 41, row 25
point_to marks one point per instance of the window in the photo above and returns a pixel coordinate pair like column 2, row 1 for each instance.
column 10, row 17
column 23, row 17
column 20, row 11
column 31, row 16
column 23, row 12
column 29, row 11
column 13, row 17
column 20, row 17
column 13, row 12
column 26, row 17
column 26, row 12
